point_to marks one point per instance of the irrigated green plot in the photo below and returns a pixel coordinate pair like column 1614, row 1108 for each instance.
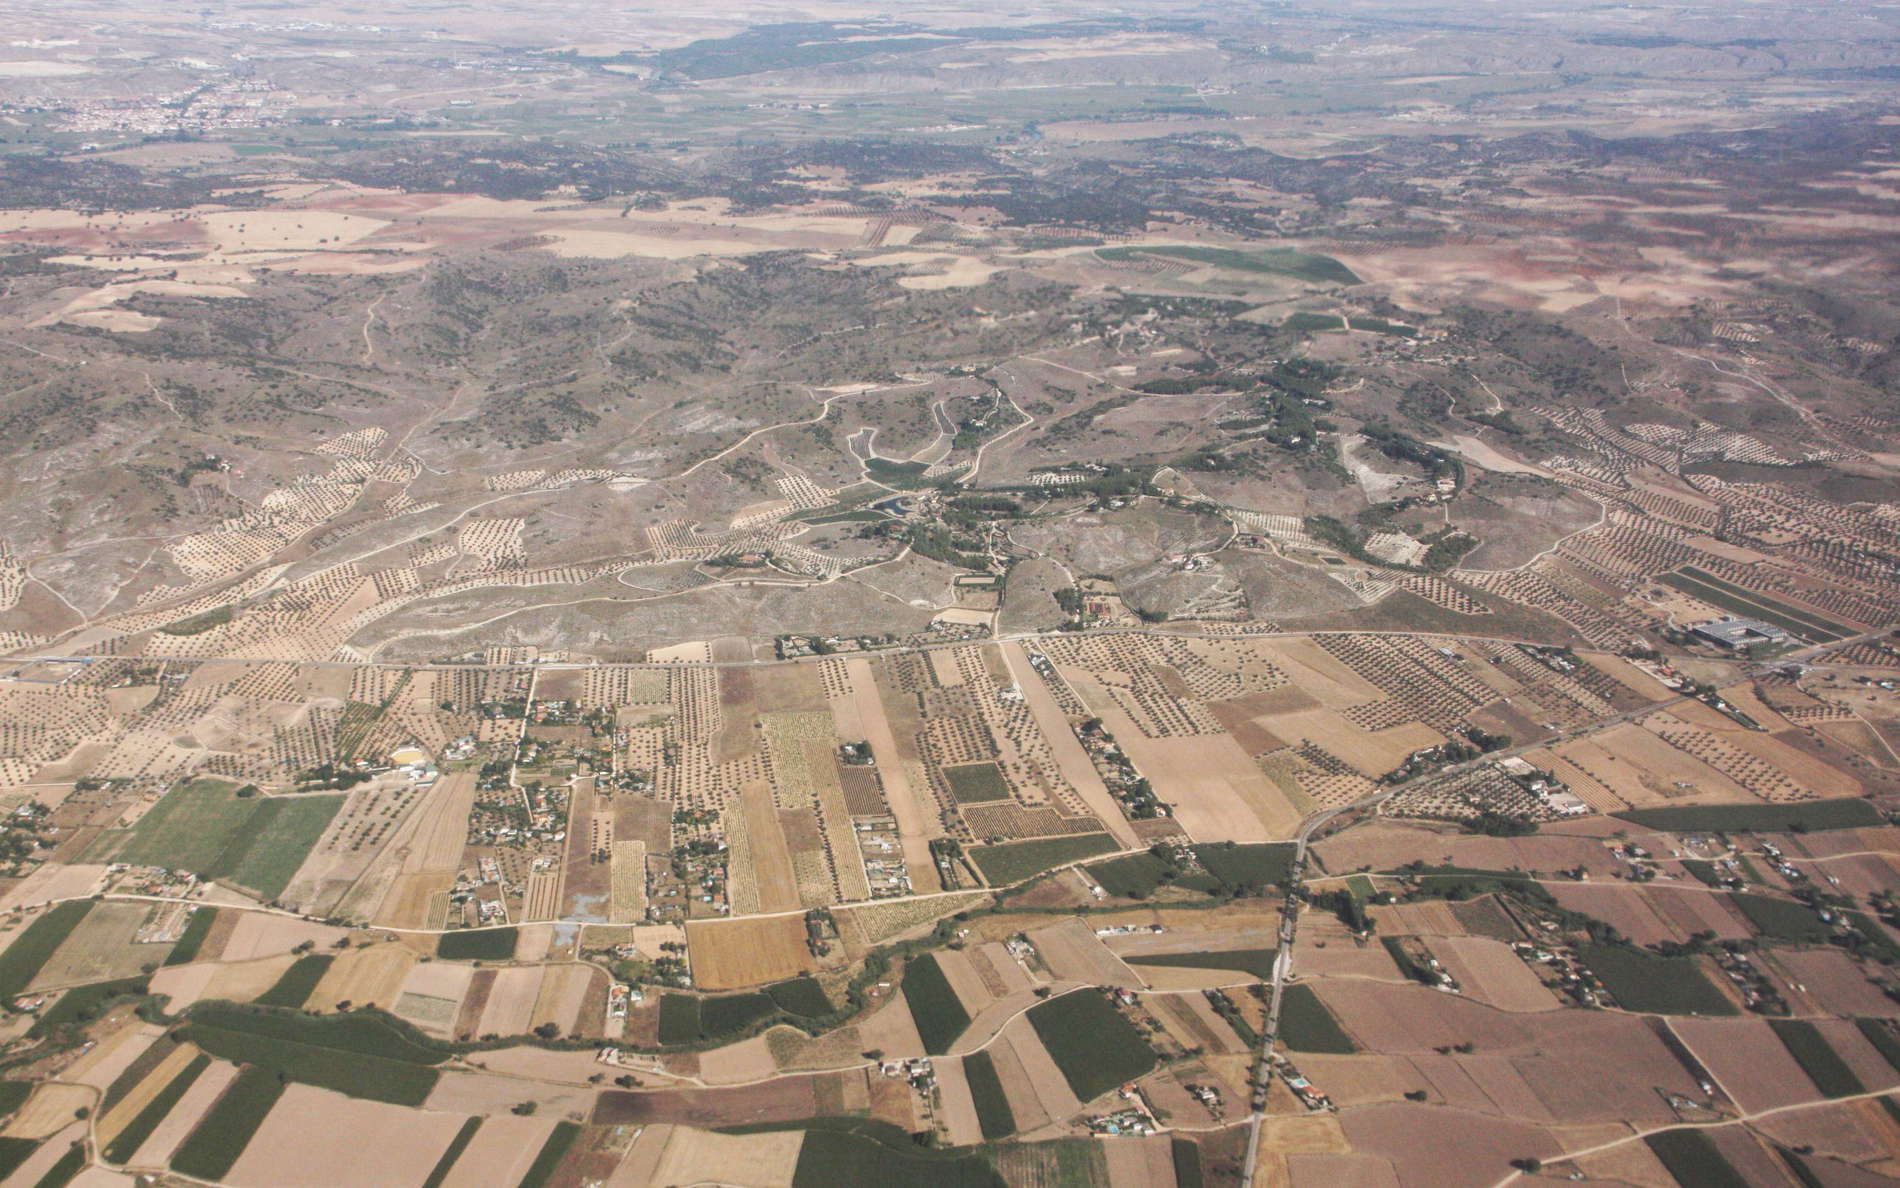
column 1094, row 1045
column 206, row 828
column 480, row 944
column 273, row 843
column 22, row 960
column 993, row 1114
column 221, row 1135
column 193, row 938
column 552, row 1152
column 1253, row 866
column 1013, row 862
column 977, row 783
column 1645, row 982
column 294, row 985
column 934, row 1005
column 802, row 997
column 1692, row 1158
column 1782, row 919
column 1750, row 604
column 127, row 1141
column 830, row 1158
column 188, row 829
column 1258, row 962
column 359, row 1055
column 1817, row 1058
column 1843, row 813
column 1307, row 1026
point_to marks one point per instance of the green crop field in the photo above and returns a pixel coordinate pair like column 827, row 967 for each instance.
column 728, row 1014
column 993, row 1114
column 127, row 1142
column 359, row 1055
column 1691, row 1158
column 272, row 844
column 830, row 1158
column 446, row 1161
column 187, row 829
column 1884, row 1036
column 14, row 1152
column 1307, row 1026
column 214, row 1145
column 1132, row 876
column 1750, row 604
column 1817, row 1057
column 688, row 1020
column 1258, row 962
column 1013, row 862
column 1094, row 1045
column 1782, row 919
column 1645, row 982
column 933, row 1004
column 193, row 938
column 294, row 985
column 477, row 944
column 552, row 1152
column 1254, row 865
column 1813, row 815
column 22, row 960
column 802, row 997
column 83, row 1004
column 977, row 783
column 205, row 827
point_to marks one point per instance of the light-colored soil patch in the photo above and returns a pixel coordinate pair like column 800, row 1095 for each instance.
column 892, row 1030
column 753, row 1160
column 1490, row 972
column 260, row 934
column 246, row 980
column 965, row 981
column 735, row 954
column 373, row 975
column 183, row 984
column 956, row 1109
column 510, row 1009
column 100, row 949
column 501, row 1151
column 1437, row 1147
column 564, row 993
column 112, row 1056
column 473, row 1093
column 1835, row 982
column 1073, row 951
column 418, row 866
column 50, row 1108
column 737, row 1064
column 1748, row 1061
column 141, row 1094
column 53, row 881
column 157, row 1150
column 909, row 798
column 321, row 1139
column 1044, row 1077
column 1139, row 1162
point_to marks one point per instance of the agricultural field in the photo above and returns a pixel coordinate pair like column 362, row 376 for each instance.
column 989, row 598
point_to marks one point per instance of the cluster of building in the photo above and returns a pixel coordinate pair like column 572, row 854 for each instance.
column 1551, row 792
column 1305, row 1090
column 883, row 855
